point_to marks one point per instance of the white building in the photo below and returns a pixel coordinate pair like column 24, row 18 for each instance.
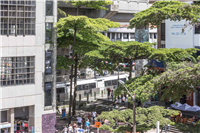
column 24, row 94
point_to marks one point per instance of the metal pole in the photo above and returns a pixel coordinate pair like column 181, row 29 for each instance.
column 97, row 130
column 133, row 96
column 118, row 76
column 134, row 125
column 157, row 127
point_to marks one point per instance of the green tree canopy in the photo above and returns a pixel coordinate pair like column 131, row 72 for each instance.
column 152, row 80
column 162, row 10
column 94, row 4
column 118, row 52
column 146, row 119
column 88, row 34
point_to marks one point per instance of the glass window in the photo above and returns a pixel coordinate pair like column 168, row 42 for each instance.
column 48, row 69
column 49, row 8
column 48, row 100
column 113, row 35
column 118, row 35
column 155, row 36
column 114, row 82
column 13, row 24
column 49, row 29
column 108, row 83
column 163, row 31
column 125, row 36
column 197, row 30
column 132, row 35
column 17, row 70
column 108, row 35
column 92, row 86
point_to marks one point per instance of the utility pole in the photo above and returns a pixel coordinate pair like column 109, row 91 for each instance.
column 133, row 97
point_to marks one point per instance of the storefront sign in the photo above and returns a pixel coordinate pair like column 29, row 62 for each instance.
column 176, row 37
column 8, row 125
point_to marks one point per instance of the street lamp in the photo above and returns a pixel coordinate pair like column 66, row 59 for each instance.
column 133, row 97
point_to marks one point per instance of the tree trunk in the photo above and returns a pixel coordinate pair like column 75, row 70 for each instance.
column 159, row 37
column 130, row 70
column 75, row 76
column 75, row 86
column 70, row 104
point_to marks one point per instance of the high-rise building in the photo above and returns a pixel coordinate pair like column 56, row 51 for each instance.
column 27, row 76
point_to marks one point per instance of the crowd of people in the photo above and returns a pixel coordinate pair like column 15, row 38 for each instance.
column 83, row 124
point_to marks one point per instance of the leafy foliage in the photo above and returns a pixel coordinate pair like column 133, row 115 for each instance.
column 94, row 4
column 162, row 10
column 146, row 119
column 109, row 55
column 178, row 77
column 88, row 35
column 192, row 128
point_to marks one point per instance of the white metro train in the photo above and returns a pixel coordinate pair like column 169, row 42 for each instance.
column 102, row 82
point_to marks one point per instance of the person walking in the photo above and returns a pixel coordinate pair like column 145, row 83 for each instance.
column 115, row 104
column 70, row 129
column 65, row 129
column 108, row 89
column 87, row 126
column 89, row 117
column 83, row 122
column 123, row 100
column 112, row 94
column 79, row 121
column 94, row 114
column 74, row 127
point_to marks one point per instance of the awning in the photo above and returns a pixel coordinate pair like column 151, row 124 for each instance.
column 156, row 64
column 5, row 125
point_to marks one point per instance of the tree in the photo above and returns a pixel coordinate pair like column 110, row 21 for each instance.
column 146, row 119
column 152, row 80
column 162, row 10
column 118, row 52
column 84, row 34
column 98, row 5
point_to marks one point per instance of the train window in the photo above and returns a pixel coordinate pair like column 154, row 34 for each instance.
column 124, row 79
column 108, row 83
column 78, row 87
column 92, row 86
column 114, row 82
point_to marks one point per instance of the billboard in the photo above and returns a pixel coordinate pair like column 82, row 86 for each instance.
column 175, row 38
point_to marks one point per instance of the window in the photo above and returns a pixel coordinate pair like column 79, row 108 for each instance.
column 49, row 8
column 132, row 35
column 48, row 100
column 113, row 35
column 163, row 31
column 17, row 70
column 119, row 35
column 17, row 17
column 108, row 83
column 197, row 30
column 48, row 62
column 49, row 29
column 114, row 82
column 124, row 79
column 155, row 36
column 125, row 36
column 108, row 35
column 92, row 85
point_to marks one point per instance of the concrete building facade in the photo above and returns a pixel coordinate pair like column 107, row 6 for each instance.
column 26, row 35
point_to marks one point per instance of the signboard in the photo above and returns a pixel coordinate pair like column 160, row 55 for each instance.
column 175, row 37
column 97, row 124
column 8, row 125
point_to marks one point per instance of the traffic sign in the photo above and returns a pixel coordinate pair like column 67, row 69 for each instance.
column 97, row 124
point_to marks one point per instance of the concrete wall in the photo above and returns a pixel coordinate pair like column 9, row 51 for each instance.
column 29, row 45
